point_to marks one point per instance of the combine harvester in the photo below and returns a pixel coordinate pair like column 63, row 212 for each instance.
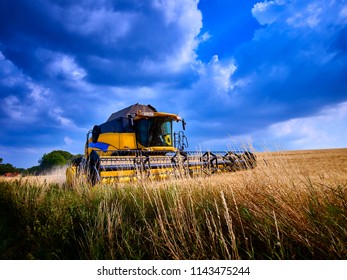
column 139, row 142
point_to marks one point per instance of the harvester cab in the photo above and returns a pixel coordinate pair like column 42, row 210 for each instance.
column 138, row 127
column 138, row 142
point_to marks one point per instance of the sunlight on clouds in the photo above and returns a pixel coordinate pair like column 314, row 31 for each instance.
column 38, row 94
column 182, row 15
column 216, row 76
column 57, row 115
column 64, row 66
column 26, row 109
column 309, row 17
column 171, row 10
column 265, row 12
column 179, row 11
column 222, row 74
column 328, row 129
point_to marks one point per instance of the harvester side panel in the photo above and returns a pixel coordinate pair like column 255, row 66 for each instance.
column 113, row 141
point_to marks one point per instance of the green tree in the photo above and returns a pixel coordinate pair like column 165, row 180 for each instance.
column 6, row 168
column 54, row 158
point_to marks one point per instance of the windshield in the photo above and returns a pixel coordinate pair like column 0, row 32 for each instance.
column 154, row 132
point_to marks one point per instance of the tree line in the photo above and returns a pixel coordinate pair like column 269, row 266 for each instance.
column 46, row 162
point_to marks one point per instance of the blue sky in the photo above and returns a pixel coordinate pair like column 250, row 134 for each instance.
column 270, row 72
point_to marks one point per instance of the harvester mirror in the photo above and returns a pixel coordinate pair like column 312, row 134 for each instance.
column 131, row 119
column 95, row 133
column 183, row 124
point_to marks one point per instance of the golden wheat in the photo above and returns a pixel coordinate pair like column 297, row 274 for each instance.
column 292, row 205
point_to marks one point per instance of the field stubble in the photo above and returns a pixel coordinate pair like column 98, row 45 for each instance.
column 293, row 205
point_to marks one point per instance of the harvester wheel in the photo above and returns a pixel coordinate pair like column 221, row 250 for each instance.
column 93, row 168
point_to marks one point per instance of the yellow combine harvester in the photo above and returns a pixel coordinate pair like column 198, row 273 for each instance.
column 139, row 142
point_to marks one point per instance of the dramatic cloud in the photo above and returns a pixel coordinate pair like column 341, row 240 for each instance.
column 254, row 69
column 294, row 66
column 320, row 131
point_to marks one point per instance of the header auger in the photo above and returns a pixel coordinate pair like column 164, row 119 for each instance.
column 139, row 142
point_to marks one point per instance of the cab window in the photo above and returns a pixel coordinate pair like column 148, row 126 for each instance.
column 154, row 132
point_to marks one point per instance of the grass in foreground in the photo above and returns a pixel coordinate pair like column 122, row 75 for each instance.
column 292, row 206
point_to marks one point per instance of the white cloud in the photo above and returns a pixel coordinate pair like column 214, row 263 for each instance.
column 216, row 76
column 300, row 14
column 265, row 12
column 38, row 94
column 158, row 37
column 64, row 66
column 10, row 75
column 182, row 22
column 327, row 129
column 180, row 12
column 33, row 102
column 343, row 14
column 106, row 24
column 27, row 107
column 57, row 115
column 310, row 16
column 12, row 107
column 23, row 100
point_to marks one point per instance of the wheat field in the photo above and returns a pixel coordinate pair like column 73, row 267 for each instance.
column 293, row 205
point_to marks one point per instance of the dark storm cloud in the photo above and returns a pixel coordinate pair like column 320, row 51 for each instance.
column 66, row 65
column 114, row 41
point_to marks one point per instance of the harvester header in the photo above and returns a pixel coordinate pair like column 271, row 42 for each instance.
column 138, row 141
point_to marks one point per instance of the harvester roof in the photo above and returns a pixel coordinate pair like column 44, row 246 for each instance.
column 120, row 121
column 133, row 109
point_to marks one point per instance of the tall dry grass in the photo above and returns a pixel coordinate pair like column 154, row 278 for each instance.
column 293, row 205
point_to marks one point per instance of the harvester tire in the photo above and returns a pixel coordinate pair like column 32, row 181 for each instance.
column 93, row 168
